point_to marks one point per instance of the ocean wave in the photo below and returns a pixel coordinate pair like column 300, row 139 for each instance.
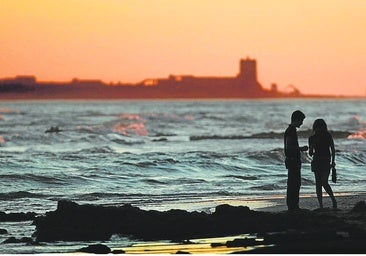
column 145, row 164
column 268, row 135
column 307, row 182
column 129, row 116
column 159, row 140
column 120, row 139
column 188, row 181
column 356, row 158
column 268, row 187
column 208, row 154
column 169, row 117
column 167, row 161
column 9, row 111
column 360, row 134
column 129, row 129
column 41, row 178
column 241, row 177
column 217, row 137
column 158, row 196
column 90, row 129
column 154, row 181
column 273, row 156
column 20, row 194
column 213, row 117
column 143, row 196
column 162, row 134
column 355, row 121
column 94, row 150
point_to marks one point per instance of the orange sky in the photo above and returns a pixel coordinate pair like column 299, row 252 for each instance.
column 317, row 45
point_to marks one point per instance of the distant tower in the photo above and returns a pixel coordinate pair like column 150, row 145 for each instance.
column 248, row 70
column 248, row 76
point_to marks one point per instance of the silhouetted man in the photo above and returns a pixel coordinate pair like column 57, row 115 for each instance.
column 293, row 162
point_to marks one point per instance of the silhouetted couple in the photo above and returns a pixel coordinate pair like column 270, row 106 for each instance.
column 321, row 148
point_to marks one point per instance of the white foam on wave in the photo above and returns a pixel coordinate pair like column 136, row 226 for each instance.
column 361, row 134
column 20, row 149
column 138, row 129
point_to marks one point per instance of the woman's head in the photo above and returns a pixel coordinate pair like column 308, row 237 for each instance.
column 319, row 125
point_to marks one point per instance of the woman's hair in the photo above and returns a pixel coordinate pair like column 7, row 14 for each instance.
column 319, row 125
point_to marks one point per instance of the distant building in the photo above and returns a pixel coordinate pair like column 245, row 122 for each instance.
column 19, row 84
column 274, row 87
column 21, row 80
column 86, row 83
column 243, row 85
column 248, row 76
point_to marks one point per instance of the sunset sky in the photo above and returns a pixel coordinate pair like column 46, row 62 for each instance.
column 319, row 46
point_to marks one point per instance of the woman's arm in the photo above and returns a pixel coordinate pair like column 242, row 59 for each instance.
column 311, row 147
column 332, row 150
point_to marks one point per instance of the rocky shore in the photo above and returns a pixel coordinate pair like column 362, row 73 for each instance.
column 302, row 231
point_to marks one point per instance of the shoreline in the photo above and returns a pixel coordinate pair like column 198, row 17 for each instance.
column 345, row 200
column 265, row 203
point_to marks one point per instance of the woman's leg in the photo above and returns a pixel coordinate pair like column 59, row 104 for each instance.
column 318, row 187
column 328, row 189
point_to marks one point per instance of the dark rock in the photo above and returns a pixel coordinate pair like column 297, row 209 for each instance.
column 228, row 210
column 118, row 251
column 73, row 222
column 96, row 248
column 3, row 231
column 213, row 245
column 241, row 242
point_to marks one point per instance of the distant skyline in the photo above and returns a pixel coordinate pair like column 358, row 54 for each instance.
column 316, row 45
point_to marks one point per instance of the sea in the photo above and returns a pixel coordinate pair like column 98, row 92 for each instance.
column 161, row 154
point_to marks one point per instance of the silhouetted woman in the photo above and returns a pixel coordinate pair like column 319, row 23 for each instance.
column 321, row 147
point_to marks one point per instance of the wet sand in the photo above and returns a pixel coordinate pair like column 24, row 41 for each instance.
column 345, row 201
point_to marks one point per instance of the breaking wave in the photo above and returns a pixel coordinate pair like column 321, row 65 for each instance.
column 361, row 134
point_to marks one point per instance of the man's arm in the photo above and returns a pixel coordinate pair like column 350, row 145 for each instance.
column 291, row 145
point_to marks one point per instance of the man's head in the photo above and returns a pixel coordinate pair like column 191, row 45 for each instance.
column 297, row 118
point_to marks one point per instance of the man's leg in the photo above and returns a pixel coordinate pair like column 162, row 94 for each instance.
column 293, row 186
column 297, row 189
